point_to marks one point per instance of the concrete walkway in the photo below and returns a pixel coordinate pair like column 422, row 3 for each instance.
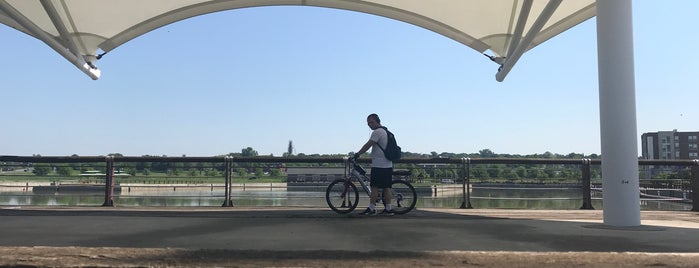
column 575, row 237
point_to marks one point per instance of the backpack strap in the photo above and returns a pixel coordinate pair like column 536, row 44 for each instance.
column 377, row 143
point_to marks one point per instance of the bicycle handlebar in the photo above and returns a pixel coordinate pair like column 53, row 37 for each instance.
column 353, row 161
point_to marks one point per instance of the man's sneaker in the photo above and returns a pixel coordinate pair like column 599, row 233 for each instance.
column 368, row 211
column 387, row 212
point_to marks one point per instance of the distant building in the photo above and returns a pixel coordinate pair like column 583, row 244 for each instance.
column 670, row 145
column 667, row 145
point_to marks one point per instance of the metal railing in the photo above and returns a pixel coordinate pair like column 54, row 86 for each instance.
column 464, row 165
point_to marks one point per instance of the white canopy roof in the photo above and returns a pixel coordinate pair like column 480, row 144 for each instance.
column 83, row 30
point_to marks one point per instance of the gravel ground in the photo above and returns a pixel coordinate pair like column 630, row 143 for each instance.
column 169, row 257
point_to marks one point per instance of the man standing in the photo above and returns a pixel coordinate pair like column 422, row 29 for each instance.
column 381, row 168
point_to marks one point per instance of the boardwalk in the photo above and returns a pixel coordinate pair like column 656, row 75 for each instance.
column 239, row 236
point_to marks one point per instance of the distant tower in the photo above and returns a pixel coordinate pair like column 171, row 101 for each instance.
column 290, row 149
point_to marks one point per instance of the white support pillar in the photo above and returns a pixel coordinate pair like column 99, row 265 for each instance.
column 617, row 96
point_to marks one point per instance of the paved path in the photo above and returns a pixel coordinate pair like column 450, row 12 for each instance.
column 312, row 234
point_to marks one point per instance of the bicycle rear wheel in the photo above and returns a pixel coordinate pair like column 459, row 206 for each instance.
column 342, row 196
column 404, row 196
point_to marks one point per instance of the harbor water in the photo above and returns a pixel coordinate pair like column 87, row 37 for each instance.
column 278, row 194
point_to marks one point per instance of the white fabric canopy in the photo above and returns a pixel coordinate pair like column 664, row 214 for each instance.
column 82, row 30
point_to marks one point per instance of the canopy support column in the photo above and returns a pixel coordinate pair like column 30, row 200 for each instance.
column 77, row 60
column 519, row 28
column 621, row 203
column 58, row 23
column 527, row 40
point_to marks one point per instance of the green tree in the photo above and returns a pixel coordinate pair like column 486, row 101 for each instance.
column 41, row 170
column 248, row 152
column 173, row 172
column 275, row 172
column 534, row 173
column 211, row 173
column 64, row 171
column 200, row 167
column 479, row 172
column 494, row 171
column 550, row 172
column 259, row 172
column 486, row 153
column 521, row 172
column 566, row 173
column 508, row 173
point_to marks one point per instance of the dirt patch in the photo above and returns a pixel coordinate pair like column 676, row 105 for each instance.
column 171, row 257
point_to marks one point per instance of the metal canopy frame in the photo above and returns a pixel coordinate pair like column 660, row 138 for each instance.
column 517, row 47
column 67, row 48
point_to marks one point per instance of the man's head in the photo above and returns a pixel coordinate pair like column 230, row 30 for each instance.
column 373, row 121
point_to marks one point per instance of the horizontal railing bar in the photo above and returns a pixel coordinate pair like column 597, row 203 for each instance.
column 272, row 159
column 52, row 159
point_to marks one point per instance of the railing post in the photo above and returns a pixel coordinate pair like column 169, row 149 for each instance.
column 109, row 183
column 586, row 191
column 695, row 185
column 228, row 202
column 466, row 182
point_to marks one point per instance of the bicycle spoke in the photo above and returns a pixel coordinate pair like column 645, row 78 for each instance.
column 404, row 196
column 342, row 196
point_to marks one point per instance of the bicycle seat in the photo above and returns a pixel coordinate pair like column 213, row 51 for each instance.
column 401, row 172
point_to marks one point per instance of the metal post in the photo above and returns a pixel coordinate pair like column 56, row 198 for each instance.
column 695, row 185
column 228, row 202
column 586, row 191
column 466, row 182
column 109, row 183
column 617, row 100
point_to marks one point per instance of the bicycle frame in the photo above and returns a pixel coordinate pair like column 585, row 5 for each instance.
column 357, row 172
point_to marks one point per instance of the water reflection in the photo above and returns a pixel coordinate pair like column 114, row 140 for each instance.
column 503, row 198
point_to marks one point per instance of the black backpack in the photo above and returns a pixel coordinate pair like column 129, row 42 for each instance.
column 392, row 150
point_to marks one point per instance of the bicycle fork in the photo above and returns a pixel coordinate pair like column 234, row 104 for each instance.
column 346, row 202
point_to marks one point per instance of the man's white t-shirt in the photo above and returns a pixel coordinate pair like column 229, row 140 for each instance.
column 378, row 159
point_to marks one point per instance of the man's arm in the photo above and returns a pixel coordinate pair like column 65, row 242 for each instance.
column 365, row 148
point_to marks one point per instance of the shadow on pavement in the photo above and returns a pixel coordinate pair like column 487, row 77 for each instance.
column 313, row 237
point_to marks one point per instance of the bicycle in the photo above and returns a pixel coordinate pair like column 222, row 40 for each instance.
column 342, row 195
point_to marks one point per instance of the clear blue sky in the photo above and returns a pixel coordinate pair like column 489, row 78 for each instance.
column 259, row 77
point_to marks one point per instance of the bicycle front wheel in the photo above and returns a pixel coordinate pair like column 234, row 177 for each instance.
column 342, row 196
column 404, row 196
